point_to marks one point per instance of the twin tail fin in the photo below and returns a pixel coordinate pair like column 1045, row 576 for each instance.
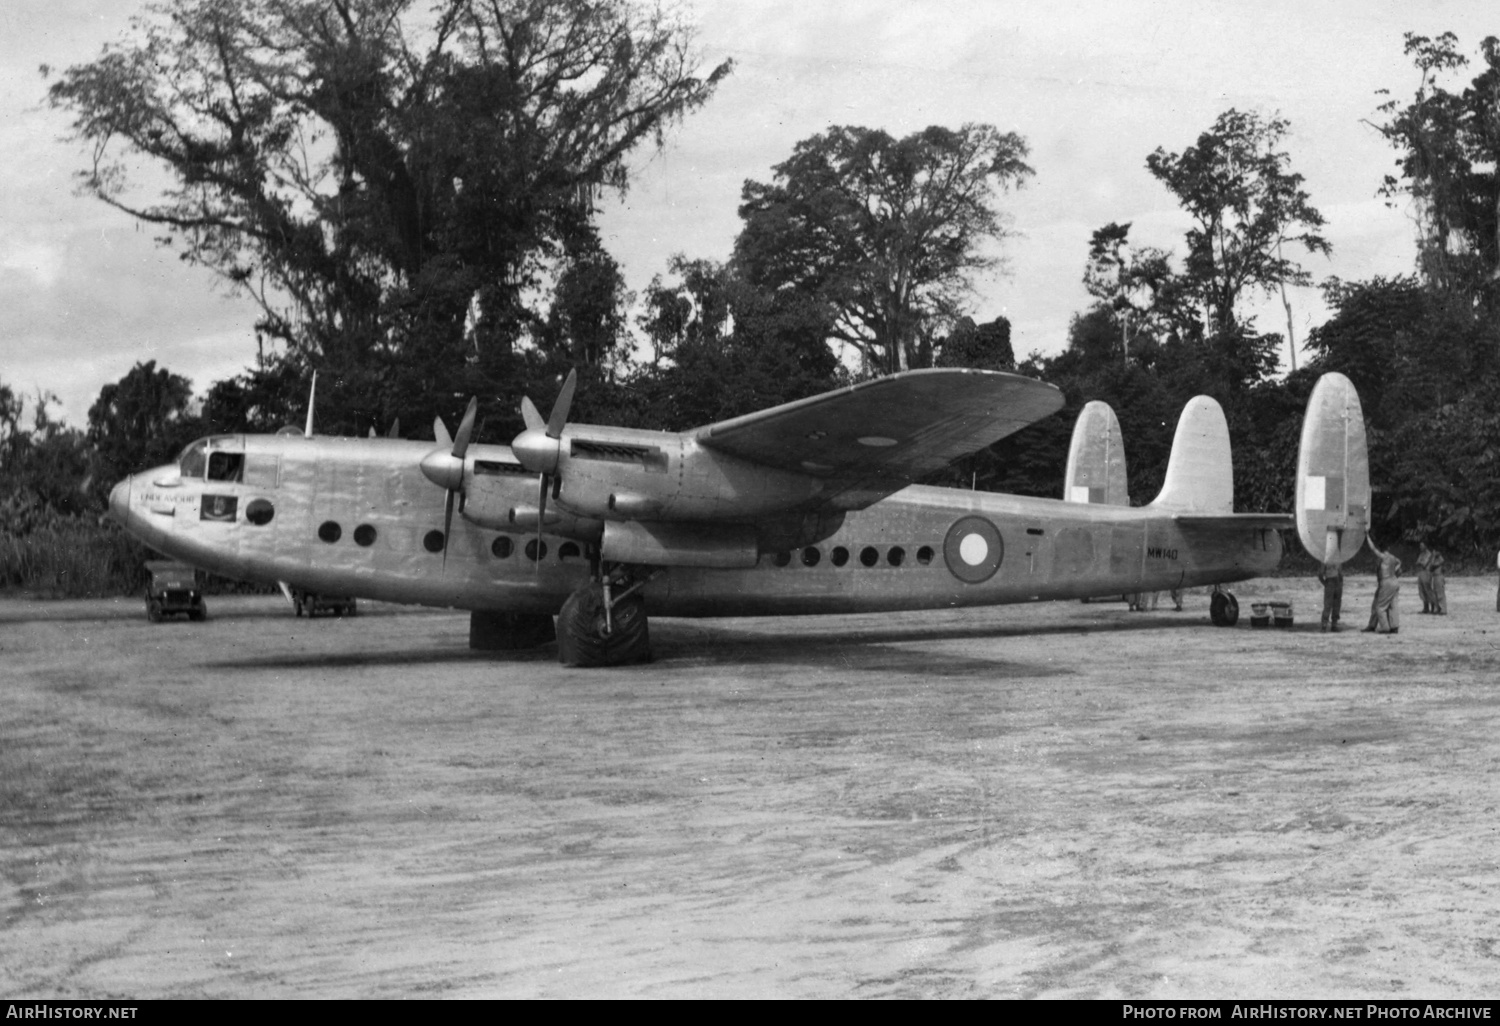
column 1333, row 475
column 1096, row 459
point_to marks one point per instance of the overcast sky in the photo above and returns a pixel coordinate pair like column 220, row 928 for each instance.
column 1092, row 86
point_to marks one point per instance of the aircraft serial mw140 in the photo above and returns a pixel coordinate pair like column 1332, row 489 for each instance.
column 804, row 508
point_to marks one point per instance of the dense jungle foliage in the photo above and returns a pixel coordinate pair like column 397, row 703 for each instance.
column 440, row 243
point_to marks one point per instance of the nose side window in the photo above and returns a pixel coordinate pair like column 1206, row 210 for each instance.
column 226, row 466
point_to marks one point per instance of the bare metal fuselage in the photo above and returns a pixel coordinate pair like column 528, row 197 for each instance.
column 357, row 517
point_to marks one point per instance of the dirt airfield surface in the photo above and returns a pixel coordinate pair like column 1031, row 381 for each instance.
column 1061, row 800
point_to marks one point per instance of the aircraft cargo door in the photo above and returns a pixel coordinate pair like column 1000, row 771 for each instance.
column 1127, row 556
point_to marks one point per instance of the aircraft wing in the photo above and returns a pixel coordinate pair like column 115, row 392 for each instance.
column 874, row 438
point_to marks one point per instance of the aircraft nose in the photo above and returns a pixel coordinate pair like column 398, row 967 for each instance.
column 119, row 501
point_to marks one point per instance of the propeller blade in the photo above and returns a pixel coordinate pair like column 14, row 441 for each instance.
column 312, row 394
column 465, row 429
column 559, row 417
column 531, row 416
column 447, row 524
column 440, row 432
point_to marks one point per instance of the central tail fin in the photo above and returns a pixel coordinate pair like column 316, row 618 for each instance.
column 1200, row 474
column 1096, row 459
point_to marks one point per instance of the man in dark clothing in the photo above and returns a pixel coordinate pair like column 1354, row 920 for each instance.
column 1437, row 586
column 1332, row 576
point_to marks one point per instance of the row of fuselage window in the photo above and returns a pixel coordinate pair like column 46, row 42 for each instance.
column 503, row 547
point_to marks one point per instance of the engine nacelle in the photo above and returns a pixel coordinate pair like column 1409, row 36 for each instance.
column 722, row 546
column 656, row 476
column 502, row 496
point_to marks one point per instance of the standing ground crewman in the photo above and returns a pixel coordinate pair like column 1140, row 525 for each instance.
column 1437, row 587
column 1384, row 618
column 1332, row 576
column 1424, row 577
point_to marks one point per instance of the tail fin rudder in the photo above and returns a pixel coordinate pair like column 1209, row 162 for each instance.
column 1200, row 473
column 1096, row 459
column 1333, row 472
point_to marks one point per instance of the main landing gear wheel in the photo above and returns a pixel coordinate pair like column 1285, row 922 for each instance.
column 586, row 636
column 1223, row 609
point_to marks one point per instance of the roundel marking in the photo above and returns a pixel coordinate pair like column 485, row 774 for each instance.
column 973, row 550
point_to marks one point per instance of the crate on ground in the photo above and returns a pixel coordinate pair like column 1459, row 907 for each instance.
column 1281, row 613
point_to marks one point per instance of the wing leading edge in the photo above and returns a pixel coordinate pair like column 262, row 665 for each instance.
column 874, row 438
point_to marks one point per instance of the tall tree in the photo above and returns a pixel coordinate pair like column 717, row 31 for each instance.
column 1449, row 145
column 982, row 346
column 722, row 348
column 1246, row 204
column 387, row 180
column 141, row 420
column 887, row 232
column 1138, row 286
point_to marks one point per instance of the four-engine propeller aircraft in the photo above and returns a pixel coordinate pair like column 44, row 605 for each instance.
column 804, row 508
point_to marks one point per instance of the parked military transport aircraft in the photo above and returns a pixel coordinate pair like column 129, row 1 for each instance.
column 804, row 508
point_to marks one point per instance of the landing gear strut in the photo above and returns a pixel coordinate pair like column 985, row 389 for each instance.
column 603, row 623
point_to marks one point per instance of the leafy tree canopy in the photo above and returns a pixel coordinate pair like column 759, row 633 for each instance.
column 1245, row 204
column 1448, row 145
column 721, row 347
column 387, row 180
column 141, row 421
column 887, row 233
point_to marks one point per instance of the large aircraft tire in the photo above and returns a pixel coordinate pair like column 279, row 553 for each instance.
column 494, row 631
column 1223, row 609
column 581, row 640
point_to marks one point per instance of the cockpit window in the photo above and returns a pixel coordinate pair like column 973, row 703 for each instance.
column 226, row 466
column 194, row 460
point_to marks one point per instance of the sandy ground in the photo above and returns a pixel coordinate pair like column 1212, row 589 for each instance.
column 1058, row 800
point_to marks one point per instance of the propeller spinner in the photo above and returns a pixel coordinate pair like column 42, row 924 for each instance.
column 539, row 447
column 446, row 469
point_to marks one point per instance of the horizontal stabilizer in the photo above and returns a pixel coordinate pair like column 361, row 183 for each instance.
column 1254, row 521
column 1333, row 472
column 1200, row 474
column 1096, row 459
